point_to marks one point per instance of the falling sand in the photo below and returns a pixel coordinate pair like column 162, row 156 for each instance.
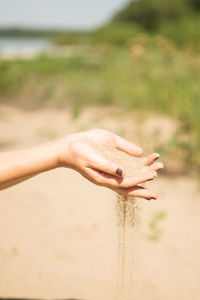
column 127, row 221
column 125, row 212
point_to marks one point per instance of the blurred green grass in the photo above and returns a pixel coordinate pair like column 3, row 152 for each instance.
column 149, row 74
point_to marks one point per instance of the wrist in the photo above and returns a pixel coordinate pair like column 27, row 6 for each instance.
column 61, row 152
column 48, row 156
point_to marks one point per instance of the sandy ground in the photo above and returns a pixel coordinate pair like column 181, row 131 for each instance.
column 58, row 237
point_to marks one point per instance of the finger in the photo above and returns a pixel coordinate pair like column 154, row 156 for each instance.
column 108, row 167
column 137, row 191
column 110, row 181
column 157, row 166
column 128, row 147
column 131, row 181
column 147, row 161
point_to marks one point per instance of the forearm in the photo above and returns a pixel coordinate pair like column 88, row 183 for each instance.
column 17, row 166
column 80, row 152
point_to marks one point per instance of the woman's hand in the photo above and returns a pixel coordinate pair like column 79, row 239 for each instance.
column 147, row 164
column 80, row 151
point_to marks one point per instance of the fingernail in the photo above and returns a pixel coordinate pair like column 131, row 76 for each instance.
column 119, row 172
column 150, row 179
column 151, row 198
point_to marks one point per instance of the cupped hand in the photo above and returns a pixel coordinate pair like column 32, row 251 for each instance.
column 80, row 151
column 147, row 164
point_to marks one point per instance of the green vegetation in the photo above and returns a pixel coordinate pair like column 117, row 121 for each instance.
column 178, row 20
column 151, row 75
column 25, row 33
column 146, row 59
column 115, row 34
column 151, row 14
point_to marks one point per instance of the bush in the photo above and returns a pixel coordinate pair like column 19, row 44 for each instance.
column 150, row 14
column 115, row 34
column 183, row 32
column 194, row 3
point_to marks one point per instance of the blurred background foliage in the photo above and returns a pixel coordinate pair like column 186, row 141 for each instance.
column 147, row 58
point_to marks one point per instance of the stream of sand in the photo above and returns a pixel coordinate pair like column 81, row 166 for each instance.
column 127, row 221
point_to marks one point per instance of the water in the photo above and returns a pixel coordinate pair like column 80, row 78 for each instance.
column 10, row 46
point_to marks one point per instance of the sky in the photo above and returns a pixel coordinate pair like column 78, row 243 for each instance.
column 64, row 14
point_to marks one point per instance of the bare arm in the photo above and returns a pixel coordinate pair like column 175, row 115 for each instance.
column 17, row 166
column 79, row 152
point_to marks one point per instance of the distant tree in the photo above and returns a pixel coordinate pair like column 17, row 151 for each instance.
column 150, row 14
column 195, row 4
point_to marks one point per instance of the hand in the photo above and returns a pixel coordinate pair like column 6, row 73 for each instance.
column 80, row 152
column 147, row 164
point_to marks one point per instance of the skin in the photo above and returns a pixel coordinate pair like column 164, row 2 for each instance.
column 79, row 151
